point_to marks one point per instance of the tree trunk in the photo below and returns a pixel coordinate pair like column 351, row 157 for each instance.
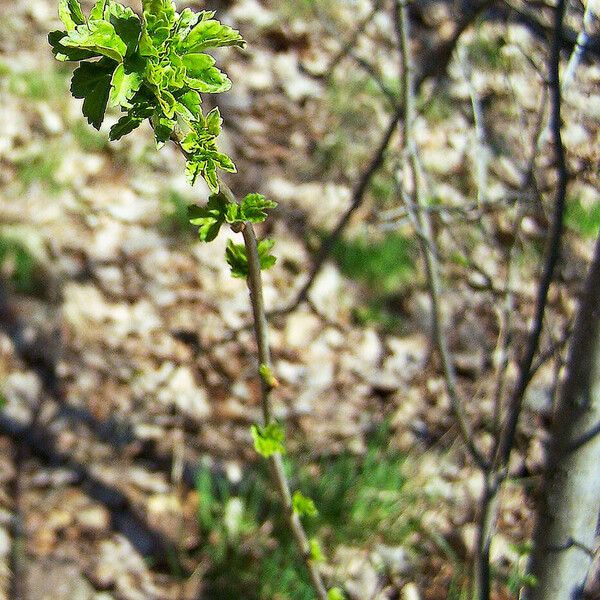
column 570, row 497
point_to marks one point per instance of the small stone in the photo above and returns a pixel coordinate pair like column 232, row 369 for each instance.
column 93, row 519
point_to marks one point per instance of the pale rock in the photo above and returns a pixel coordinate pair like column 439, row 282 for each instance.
column 147, row 481
column 253, row 12
column 111, row 278
column 292, row 373
column 114, row 558
column 93, row 518
column 51, row 120
column 257, row 75
column 407, row 356
column 575, row 135
column 5, row 543
column 442, row 161
column 137, row 240
column 301, row 329
column 326, row 292
column 105, row 241
column 394, row 559
column 296, row 85
column 183, row 392
column 502, row 550
column 233, row 516
column 57, row 580
column 355, row 569
column 468, row 534
column 76, row 167
column 410, row 592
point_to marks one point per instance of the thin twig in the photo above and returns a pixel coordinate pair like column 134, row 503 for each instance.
column 423, row 223
column 551, row 254
column 261, row 331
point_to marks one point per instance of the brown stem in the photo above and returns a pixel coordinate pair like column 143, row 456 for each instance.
column 261, row 331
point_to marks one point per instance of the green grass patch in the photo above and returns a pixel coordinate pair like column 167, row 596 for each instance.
column 582, row 219
column 486, row 52
column 87, row 138
column 174, row 219
column 385, row 264
column 18, row 263
column 252, row 554
column 40, row 167
column 39, row 85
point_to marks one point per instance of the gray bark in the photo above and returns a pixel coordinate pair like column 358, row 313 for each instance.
column 570, row 498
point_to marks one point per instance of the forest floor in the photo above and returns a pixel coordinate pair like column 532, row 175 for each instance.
column 127, row 468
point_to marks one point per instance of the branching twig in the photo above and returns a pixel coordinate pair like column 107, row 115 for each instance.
column 422, row 222
column 254, row 281
column 551, row 255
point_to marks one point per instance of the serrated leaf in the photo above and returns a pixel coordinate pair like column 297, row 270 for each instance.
column 214, row 122
column 97, row 12
column 210, row 176
column 232, row 212
column 266, row 259
column 254, row 208
column 196, row 63
column 127, row 26
column 189, row 106
column 64, row 53
column 98, row 37
column 235, row 254
column 91, row 81
column 210, row 33
column 123, row 126
column 268, row 439
column 123, row 86
column 163, row 127
column 209, row 81
column 159, row 18
column 303, row 506
column 209, row 218
column 224, row 162
column 69, row 12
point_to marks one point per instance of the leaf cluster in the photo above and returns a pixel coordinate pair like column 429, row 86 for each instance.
column 268, row 439
column 152, row 67
column 218, row 210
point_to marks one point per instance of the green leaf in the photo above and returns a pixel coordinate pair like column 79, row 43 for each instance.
column 209, row 218
column 64, row 53
column 123, row 86
column 209, row 81
column 123, row 126
column 266, row 259
column 91, row 81
column 214, row 122
column 303, row 506
column 97, row 12
column 70, row 13
column 238, row 261
column 99, row 37
column 210, row 176
column 268, row 440
column 235, row 254
column 335, row 594
column 189, row 106
column 159, row 19
column 316, row 552
column 196, row 63
column 127, row 26
column 254, row 208
column 210, row 33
